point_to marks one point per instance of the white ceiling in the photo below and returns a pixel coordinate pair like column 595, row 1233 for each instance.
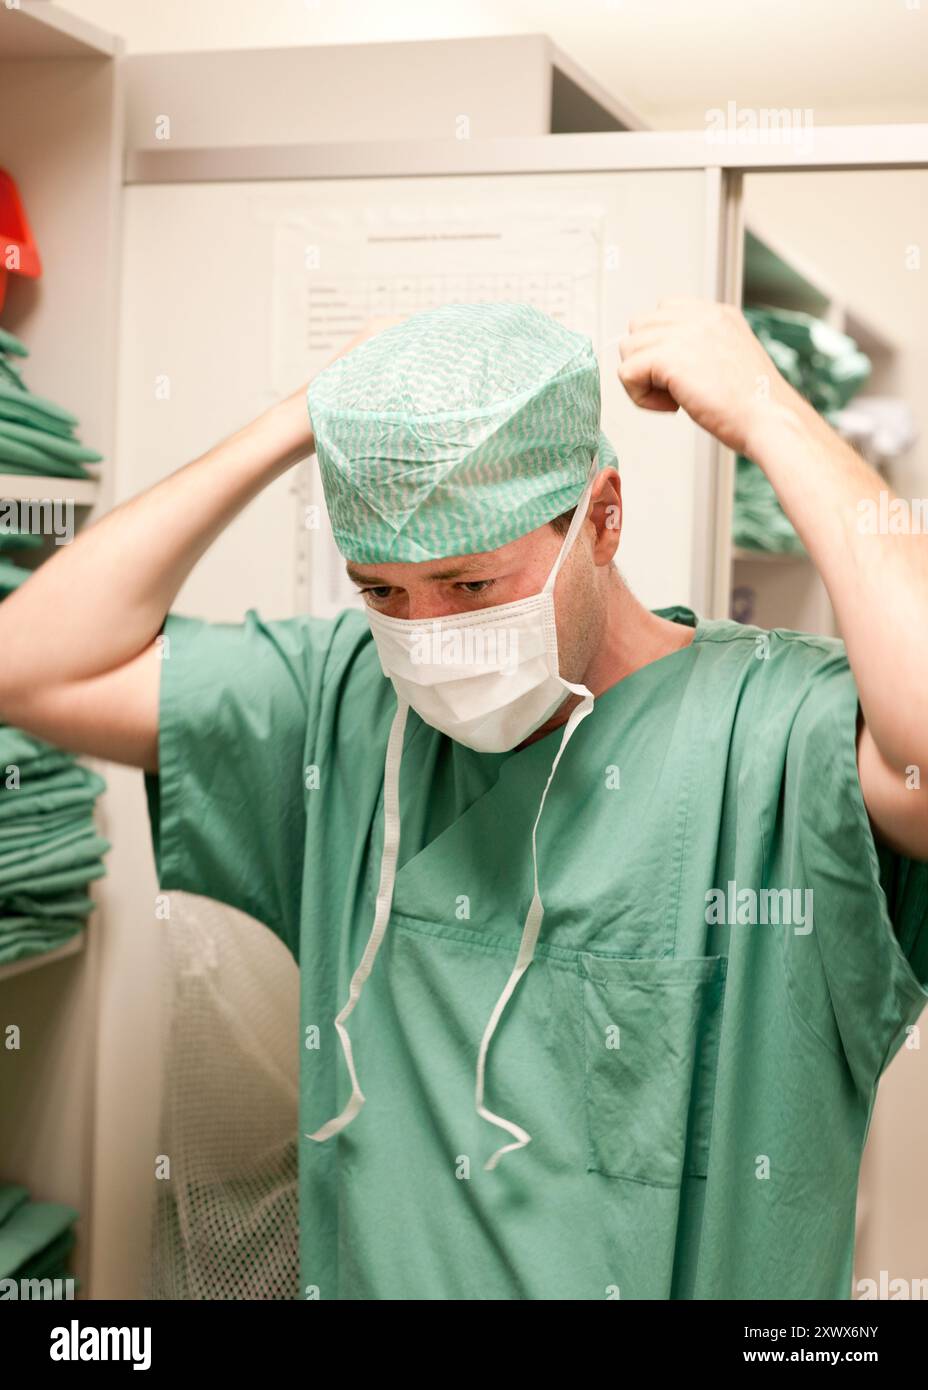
column 849, row 61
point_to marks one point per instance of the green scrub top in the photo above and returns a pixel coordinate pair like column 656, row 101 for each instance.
column 696, row 1066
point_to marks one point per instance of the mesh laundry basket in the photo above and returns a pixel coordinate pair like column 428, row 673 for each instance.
column 226, row 1220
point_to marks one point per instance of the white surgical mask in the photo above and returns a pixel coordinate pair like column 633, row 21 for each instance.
column 487, row 679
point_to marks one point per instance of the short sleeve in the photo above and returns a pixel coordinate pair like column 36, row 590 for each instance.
column 870, row 903
column 226, row 807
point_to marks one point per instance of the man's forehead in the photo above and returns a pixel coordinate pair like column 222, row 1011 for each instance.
column 452, row 567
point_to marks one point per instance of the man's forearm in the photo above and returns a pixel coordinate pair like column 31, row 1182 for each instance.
column 99, row 601
column 878, row 584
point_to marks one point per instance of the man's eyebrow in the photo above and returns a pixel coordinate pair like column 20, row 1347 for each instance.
column 357, row 578
column 375, row 581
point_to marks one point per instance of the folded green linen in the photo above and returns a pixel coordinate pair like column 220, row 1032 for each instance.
column 28, row 1230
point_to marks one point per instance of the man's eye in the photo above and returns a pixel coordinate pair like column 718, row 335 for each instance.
column 381, row 592
column 476, row 586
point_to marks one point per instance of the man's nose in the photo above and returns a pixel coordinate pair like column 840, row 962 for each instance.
column 425, row 606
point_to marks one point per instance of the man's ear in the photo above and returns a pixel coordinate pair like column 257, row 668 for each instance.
column 607, row 515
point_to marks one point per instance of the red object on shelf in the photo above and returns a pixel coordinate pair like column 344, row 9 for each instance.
column 16, row 240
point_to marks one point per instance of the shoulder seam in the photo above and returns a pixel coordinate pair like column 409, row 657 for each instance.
column 750, row 633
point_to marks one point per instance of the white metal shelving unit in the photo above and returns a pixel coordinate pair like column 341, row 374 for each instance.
column 784, row 590
column 61, row 139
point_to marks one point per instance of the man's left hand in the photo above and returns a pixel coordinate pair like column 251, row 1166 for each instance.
column 704, row 357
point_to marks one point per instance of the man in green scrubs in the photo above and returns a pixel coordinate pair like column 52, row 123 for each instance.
column 667, row 941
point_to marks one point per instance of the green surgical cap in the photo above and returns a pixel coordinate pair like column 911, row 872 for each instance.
column 456, row 431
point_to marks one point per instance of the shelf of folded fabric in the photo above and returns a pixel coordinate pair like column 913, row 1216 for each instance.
column 49, row 846
column 36, row 1240
column 827, row 366
column 773, row 582
column 62, row 99
column 72, row 947
column 40, row 453
column 50, row 849
column 824, row 364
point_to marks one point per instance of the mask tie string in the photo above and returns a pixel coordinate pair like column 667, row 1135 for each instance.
column 391, row 845
column 576, row 521
column 532, row 926
column 526, row 954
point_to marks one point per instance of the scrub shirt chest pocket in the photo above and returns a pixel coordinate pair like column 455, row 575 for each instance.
column 651, row 1031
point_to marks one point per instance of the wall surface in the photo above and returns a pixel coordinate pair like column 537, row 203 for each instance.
column 850, row 60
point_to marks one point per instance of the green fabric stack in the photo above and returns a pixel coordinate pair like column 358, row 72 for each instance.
column 49, row 848
column 36, row 435
column 36, row 1238
column 827, row 368
column 760, row 523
